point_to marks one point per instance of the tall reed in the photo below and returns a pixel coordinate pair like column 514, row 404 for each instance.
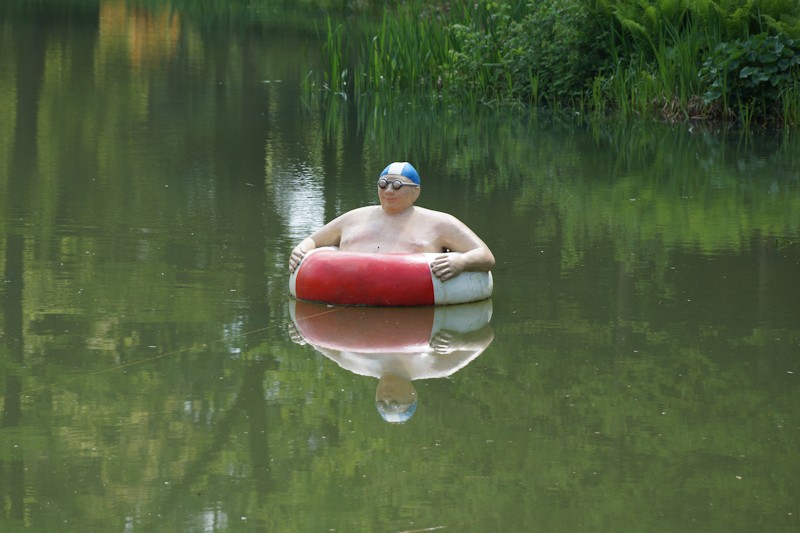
column 335, row 50
column 790, row 105
column 402, row 54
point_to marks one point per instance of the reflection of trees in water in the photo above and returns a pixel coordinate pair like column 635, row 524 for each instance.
column 150, row 36
column 12, row 467
column 639, row 179
column 69, row 241
column 22, row 168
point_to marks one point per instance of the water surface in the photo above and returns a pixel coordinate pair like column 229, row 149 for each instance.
column 636, row 369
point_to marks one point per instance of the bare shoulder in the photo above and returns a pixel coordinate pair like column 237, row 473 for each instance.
column 441, row 219
column 367, row 209
column 451, row 234
column 357, row 214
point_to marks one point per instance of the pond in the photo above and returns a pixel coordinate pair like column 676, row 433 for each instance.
column 636, row 369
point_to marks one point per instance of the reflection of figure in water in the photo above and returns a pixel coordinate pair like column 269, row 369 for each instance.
column 395, row 398
column 395, row 345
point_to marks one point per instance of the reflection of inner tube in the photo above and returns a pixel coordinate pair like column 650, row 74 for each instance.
column 395, row 344
column 353, row 278
column 386, row 329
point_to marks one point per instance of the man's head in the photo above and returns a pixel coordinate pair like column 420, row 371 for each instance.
column 398, row 187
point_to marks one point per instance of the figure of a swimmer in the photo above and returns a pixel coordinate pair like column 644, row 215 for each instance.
column 399, row 226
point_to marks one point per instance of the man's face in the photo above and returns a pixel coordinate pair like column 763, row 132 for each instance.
column 397, row 193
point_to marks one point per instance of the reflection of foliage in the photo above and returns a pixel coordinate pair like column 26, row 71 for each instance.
column 637, row 181
column 609, row 430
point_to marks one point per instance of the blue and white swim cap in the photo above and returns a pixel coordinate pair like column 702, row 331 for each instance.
column 402, row 169
column 396, row 413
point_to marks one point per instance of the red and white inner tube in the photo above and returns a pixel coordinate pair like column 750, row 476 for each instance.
column 399, row 280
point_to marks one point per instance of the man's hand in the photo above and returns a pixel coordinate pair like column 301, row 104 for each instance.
column 295, row 335
column 447, row 266
column 297, row 255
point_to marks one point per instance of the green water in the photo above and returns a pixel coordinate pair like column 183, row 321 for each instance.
column 637, row 369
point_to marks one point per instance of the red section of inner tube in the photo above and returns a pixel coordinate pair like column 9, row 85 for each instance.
column 351, row 278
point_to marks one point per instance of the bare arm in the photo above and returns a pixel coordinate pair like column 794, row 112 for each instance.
column 328, row 235
column 473, row 254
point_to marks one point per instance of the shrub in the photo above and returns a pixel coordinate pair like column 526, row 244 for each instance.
column 551, row 51
column 562, row 44
column 747, row 71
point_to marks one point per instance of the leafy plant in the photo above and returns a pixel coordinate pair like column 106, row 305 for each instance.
column 564, row 46
column 552, row 50
column 751, row 70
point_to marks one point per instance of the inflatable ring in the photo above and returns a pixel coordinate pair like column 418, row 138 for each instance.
column 331, row 276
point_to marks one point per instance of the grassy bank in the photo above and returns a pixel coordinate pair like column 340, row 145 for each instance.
column 721, row 60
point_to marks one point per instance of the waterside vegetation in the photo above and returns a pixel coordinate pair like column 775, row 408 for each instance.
column 726, row 61
column 732, row 61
